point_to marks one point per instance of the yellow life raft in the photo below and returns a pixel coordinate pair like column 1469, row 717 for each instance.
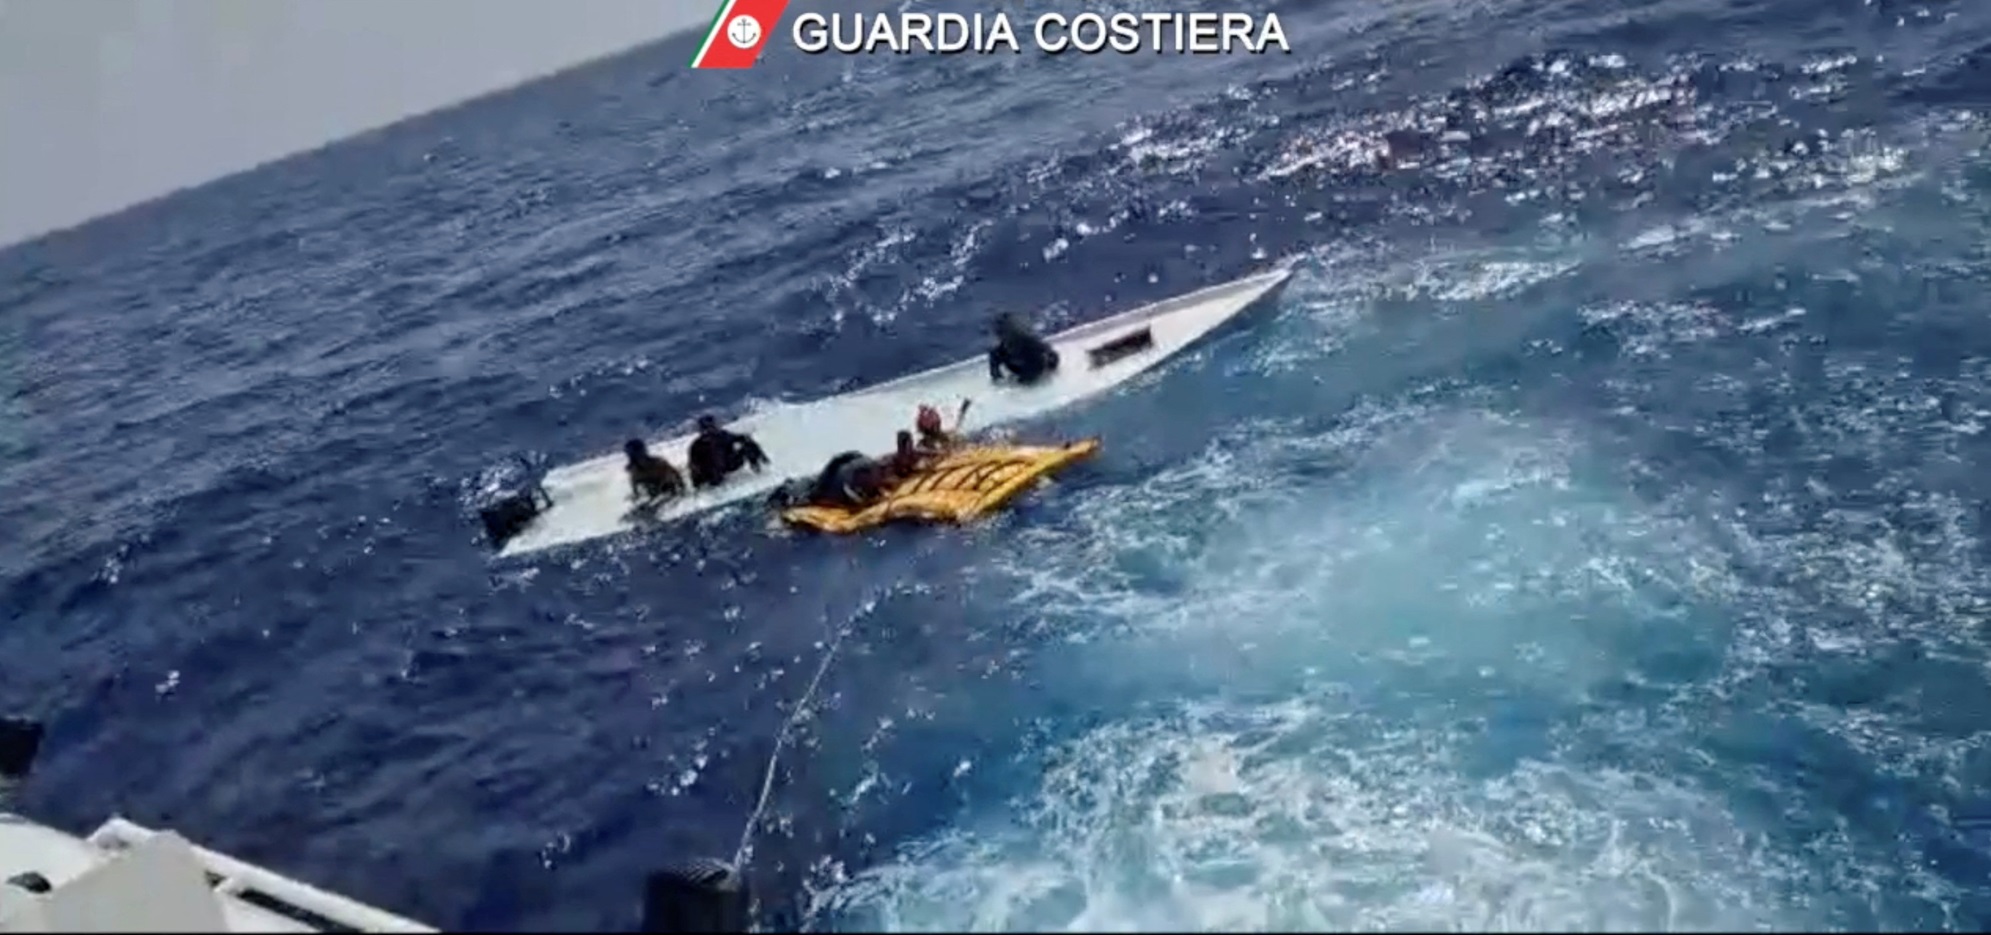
column 958, row 487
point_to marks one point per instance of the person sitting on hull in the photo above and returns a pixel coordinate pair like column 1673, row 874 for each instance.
column 1020, row 353
column 716, row 453
column 651, row 477
column 933, row 437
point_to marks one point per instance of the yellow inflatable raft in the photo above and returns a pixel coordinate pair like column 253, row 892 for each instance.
column 959, row 487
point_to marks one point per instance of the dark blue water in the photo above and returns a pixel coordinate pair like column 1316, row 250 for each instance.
column 1593, row 537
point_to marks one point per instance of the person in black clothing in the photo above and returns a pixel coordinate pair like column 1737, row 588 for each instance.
column 1027, row 357
column 717, row 452
column 851, row 480
column 650, row 477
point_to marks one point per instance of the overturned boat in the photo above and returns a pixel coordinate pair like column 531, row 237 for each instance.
column 590, row 499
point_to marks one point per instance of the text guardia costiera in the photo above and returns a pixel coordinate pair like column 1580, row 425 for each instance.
column 1085, row 33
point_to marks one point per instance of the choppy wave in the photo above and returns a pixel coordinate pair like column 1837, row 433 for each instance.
column 1461, row 655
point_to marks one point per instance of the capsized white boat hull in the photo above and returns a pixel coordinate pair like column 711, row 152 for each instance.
column 590, row 499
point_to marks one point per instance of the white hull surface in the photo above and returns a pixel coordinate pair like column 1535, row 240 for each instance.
column 124, row 878
column 590, row 499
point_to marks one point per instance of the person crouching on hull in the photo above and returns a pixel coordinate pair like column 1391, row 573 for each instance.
column 650, row 477
column 716, row 453
column 1026, row 357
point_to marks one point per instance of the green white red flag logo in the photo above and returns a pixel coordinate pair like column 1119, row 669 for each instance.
column 738, row 33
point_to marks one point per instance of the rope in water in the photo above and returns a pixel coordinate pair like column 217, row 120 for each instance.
column 800, row 711
column 795, row 717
